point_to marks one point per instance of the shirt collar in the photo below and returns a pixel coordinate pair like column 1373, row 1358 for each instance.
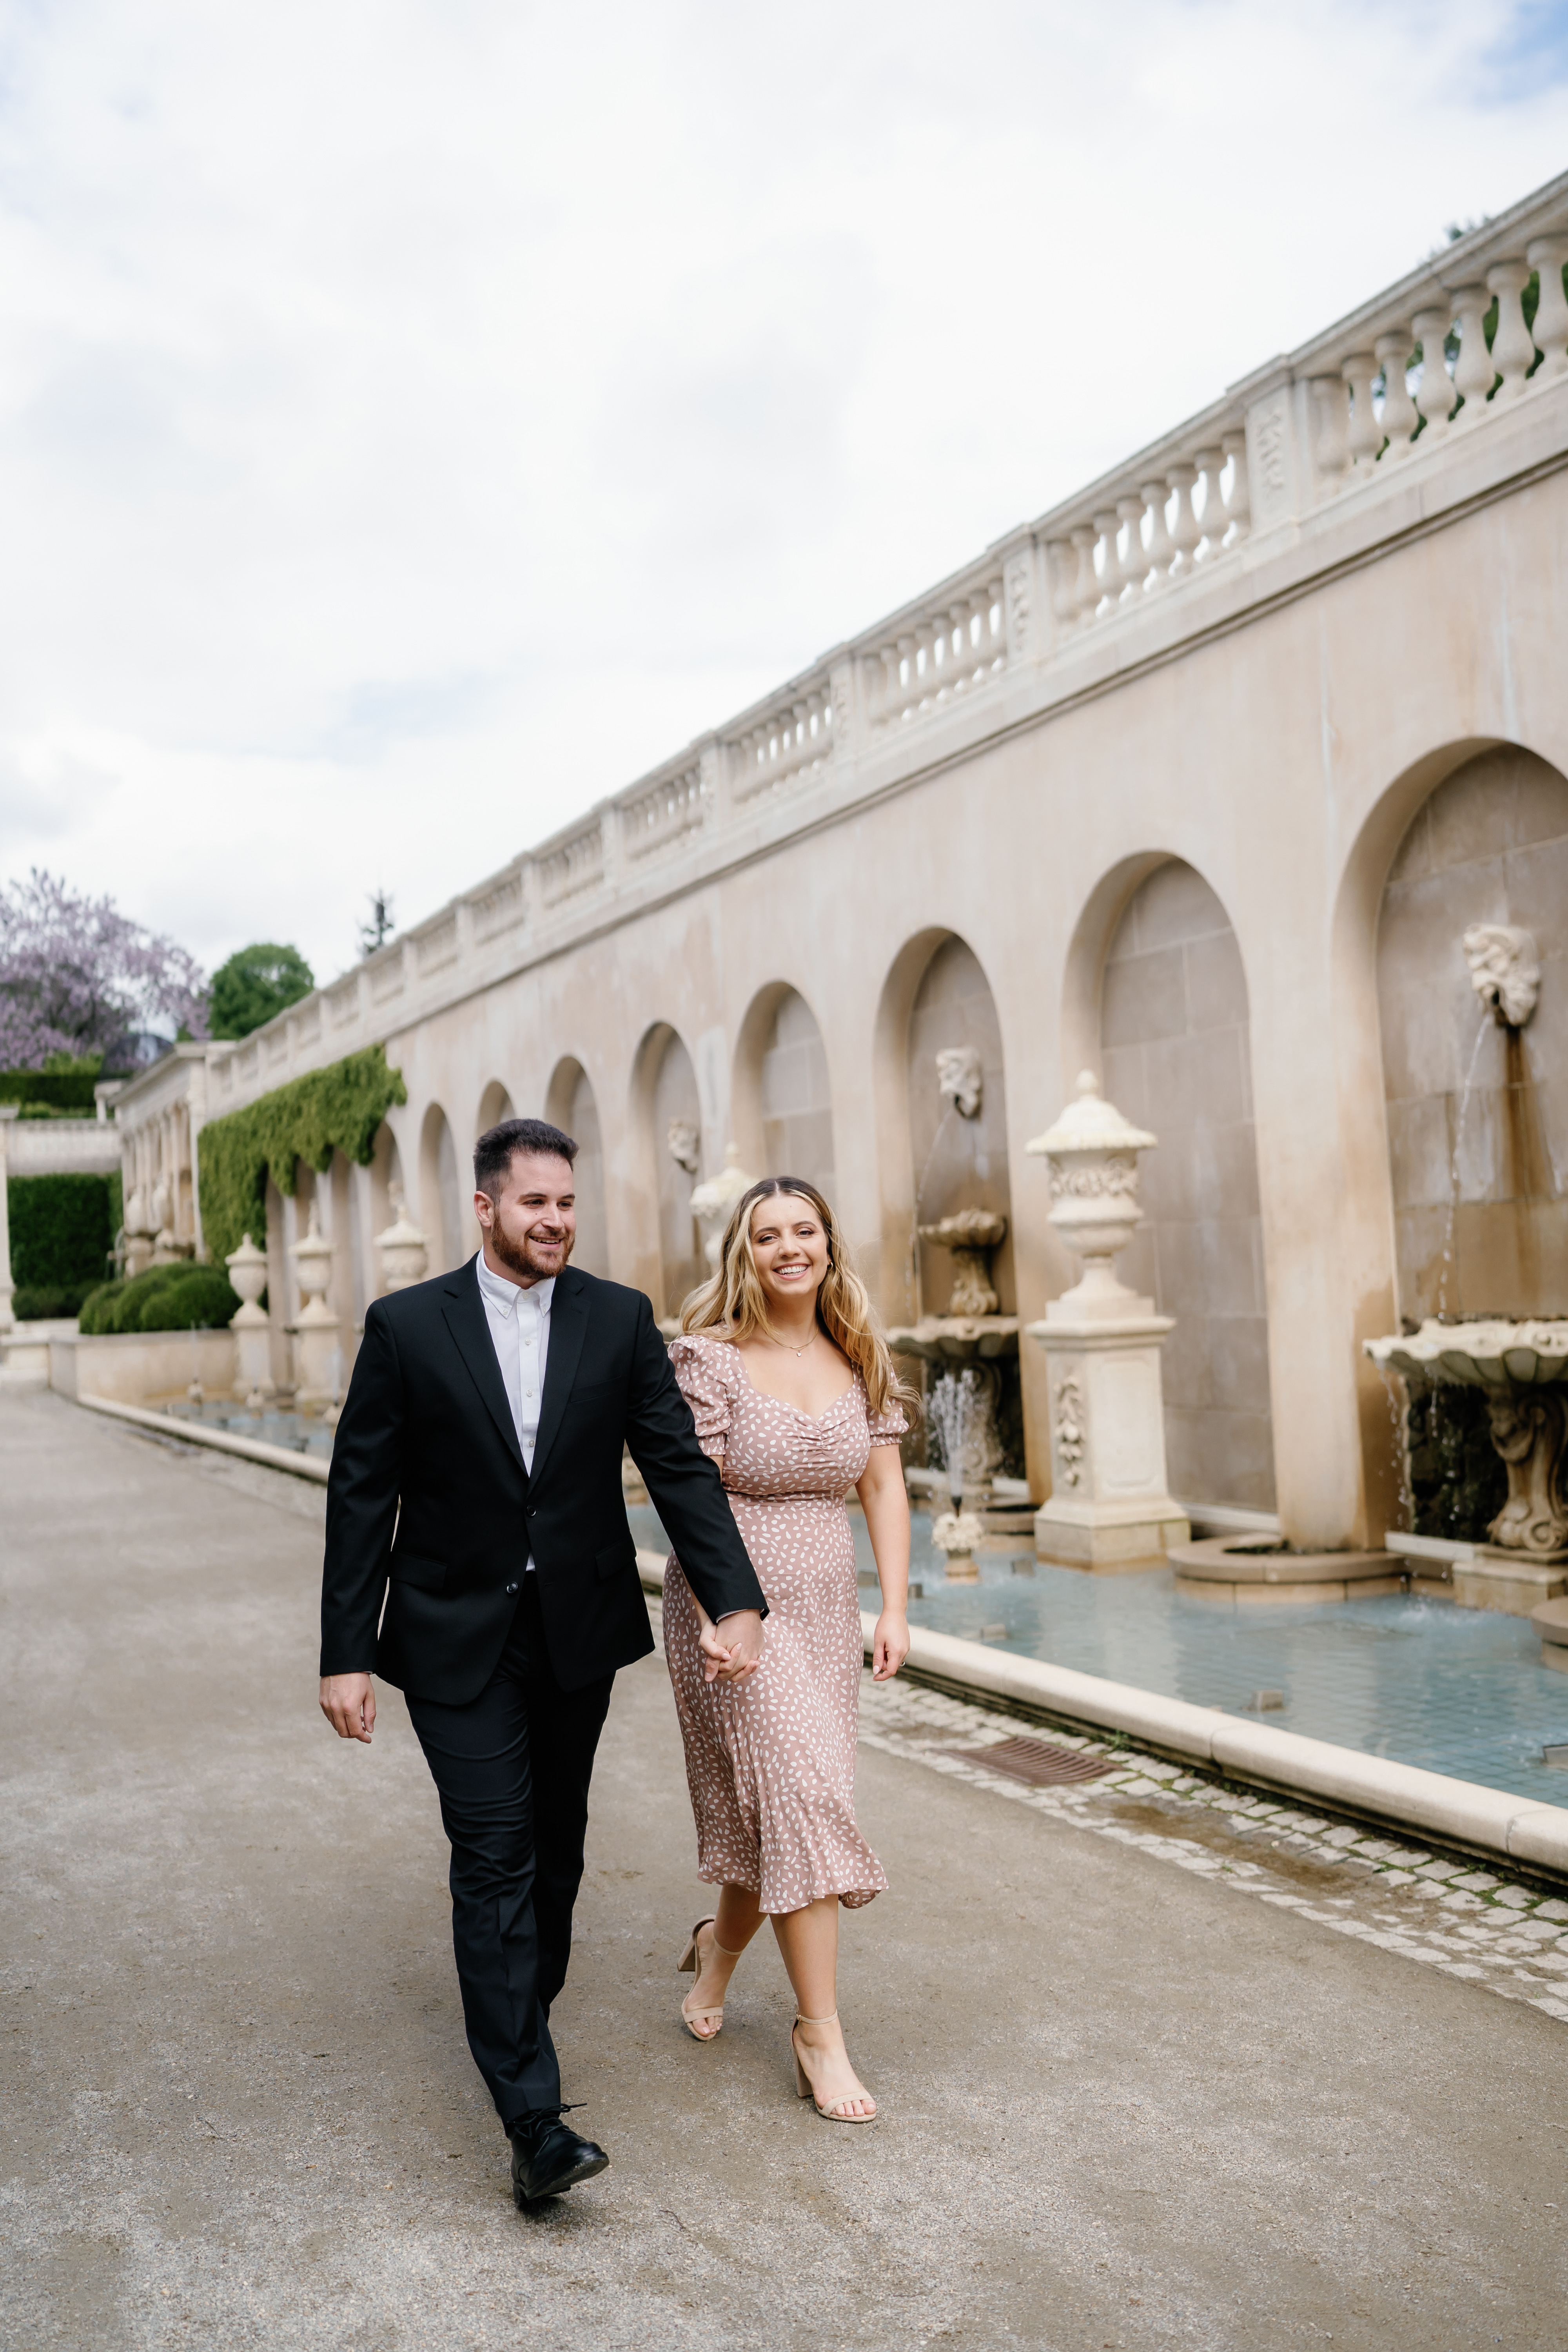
column 504, row 1295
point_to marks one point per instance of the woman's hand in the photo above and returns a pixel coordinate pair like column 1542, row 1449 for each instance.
column 890, row 1646
column 733, row 1653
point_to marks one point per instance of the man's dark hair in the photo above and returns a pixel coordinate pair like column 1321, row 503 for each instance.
column 493, row 1151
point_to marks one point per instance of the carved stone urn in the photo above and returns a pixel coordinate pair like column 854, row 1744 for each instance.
column 1108, row 1507
column 315, row 1327
column 404, row 1252
column 252, row 1331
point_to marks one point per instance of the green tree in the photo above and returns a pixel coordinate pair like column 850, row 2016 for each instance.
column 254, row 984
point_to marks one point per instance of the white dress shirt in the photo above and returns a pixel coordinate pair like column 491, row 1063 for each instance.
column 519, row 1321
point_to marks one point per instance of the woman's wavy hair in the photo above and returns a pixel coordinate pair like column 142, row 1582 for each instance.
column 733, row 1305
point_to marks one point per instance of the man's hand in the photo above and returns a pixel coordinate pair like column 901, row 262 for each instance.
column 732, row 1649
column 348, row 1702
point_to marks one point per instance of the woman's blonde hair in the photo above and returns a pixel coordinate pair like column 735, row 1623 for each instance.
column 734, row 1305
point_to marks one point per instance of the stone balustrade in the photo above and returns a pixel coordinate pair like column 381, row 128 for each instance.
column 1300, row 465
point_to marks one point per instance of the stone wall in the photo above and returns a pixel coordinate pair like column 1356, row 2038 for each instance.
column 1178, row 1060
column 959, row 1163
column 796, row 1098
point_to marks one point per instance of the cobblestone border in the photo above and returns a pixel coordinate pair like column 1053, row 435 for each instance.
column 1507, row 1936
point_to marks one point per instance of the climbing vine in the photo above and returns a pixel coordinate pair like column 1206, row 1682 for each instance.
column 338, row 1108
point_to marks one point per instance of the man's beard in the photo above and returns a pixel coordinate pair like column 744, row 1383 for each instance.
column 520, row 1256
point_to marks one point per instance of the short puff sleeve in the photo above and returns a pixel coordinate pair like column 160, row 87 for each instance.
column 705, row 1374
column 886, row 1428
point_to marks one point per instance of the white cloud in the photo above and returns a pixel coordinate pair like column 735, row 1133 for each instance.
column 416, row 420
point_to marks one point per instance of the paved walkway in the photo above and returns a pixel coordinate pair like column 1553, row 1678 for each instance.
column 1122, row 2107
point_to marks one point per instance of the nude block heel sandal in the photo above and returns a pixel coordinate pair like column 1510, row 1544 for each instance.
column 803, row 2085
column 691, row 1964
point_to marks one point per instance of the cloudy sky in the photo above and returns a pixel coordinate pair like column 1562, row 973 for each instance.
column 416, row 420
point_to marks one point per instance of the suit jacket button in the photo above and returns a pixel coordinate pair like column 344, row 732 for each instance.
column 511, row 1588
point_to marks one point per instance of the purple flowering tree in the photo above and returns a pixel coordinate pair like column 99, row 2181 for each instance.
column 79, row 977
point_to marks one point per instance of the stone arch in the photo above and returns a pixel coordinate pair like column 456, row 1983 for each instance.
column 670, row 1128
column 452, row 1231
column 570, row 1104
column 782, row 1098
column 1175, row 1054
column 1476, row 1113
column 957, row 1162
column 495, row 1104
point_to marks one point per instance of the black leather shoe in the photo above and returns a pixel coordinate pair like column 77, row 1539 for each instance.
column 548, row 2156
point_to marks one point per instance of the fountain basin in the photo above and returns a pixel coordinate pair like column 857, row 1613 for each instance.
column 1236, row 1570
column 1521, row 1366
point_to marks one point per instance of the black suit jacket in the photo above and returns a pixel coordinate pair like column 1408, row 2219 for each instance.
column 430, row 1507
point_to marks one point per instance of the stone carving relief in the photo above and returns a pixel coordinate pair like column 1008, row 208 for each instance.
column 1017, row 592
column 1268, row 437
column 1505, row 971
column 1116, row 1178
column 1069, row 1428
column 961, row 1078
column 684, row 1141
column 1529, row 1430
column 842, row 713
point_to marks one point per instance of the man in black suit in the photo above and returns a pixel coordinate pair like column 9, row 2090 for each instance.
column 476, row 1489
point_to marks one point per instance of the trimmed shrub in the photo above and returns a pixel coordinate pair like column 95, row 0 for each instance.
column 123, row 1310
column 201, row 1300
column 69, row 1091
column 93, row 1316
column 61, row 1232
column 46, row 1303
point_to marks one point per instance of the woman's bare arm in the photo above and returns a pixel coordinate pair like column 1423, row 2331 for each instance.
column 886, row 1509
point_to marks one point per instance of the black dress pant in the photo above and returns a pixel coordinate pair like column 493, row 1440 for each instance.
column 512, row 1768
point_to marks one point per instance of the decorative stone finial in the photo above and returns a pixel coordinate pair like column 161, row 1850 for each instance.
column 1092, row 1153
column 1505, row 971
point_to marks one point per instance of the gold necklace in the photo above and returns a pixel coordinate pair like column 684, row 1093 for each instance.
column 795, row 1352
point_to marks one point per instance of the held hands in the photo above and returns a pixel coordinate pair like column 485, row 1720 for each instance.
column 734, row 1650
column 890, row 1646
column 348, row 1702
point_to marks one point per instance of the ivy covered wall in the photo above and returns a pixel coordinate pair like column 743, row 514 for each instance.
column 338, row 1108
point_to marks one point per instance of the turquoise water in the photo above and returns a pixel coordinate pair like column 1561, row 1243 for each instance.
column 297, row 1433
column 1422, row 1681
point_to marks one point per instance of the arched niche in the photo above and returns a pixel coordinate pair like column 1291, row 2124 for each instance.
column 958, row 1158
column 495, row 1104
column 452, row 1231
column 1476, row 1113
column 671, row 1117
column 1176, row 1057
column 570, row 1105
column 783, row 1103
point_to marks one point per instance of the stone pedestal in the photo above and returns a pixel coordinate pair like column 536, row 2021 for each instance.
column 1110, row 1508
column 317, row 1353
column 253, row 1381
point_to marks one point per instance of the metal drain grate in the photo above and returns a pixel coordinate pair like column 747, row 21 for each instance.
column 1034, row 1761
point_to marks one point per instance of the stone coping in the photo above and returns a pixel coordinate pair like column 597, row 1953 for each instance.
column 195, row 1432
column 1457, row 1814
column 1227, row 1559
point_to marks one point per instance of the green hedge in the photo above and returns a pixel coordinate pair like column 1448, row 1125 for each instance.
column 179, row 1297
column 61, row 1233
column 48, row 1302
column 67, row 1091
column 338, row 1108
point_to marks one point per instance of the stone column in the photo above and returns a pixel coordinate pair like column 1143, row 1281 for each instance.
column 8, row 1111
column 1108, row 1507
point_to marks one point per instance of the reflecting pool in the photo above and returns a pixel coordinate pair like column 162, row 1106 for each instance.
column 1422, row 1681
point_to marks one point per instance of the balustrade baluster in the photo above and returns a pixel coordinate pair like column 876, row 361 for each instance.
column 1106, row 527
column 1187, row 531
column 1216, row 521
column 1366, row 437
column 1134, row 564
column 925, row 665
column 964, row 654
column 1238, row 506
column 1475, row 374
column 1086, row 586
column 908, row 678
column 1399, row 418
column 1513, row 346
column 1161, row 546
column 1435, row 395
column 983, row 650
column 1548, row 254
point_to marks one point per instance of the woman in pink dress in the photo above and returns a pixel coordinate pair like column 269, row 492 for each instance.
column 794, row 1393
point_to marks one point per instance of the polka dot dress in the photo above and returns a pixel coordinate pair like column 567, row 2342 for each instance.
column 770, row 1761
